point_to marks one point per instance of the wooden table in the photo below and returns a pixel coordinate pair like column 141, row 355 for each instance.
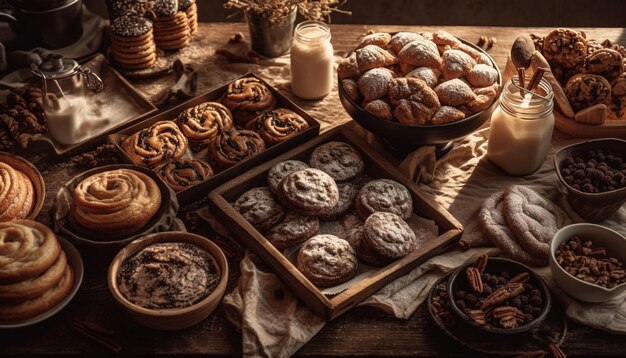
column 362, row 331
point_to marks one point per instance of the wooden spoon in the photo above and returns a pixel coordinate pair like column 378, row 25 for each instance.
column 592, row 115
column 560, row 99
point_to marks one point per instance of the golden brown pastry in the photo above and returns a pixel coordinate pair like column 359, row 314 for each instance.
column 485, row 96
column 27, row 249
column 180, row 174
column 231, row 147
column 379, row 108
column 482, row 76
column 247, row 98
column 34, row 287
column 414, row 89
column 429, row 75
column 441, row 37
column 373, row 83
column 380, row 39
column 401, row 39
column 17, row 194
column 454, row 93
column 455, row 64
column 372, row 56
column 201, row 123
column 156, row 144
column 420, row 53
column 114, row 204
column 348, row 67
column 352, row 89
column 278, row 125
column 475, row 54
column 447, row 114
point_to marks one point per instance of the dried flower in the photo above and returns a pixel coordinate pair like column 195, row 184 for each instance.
column 275, row 10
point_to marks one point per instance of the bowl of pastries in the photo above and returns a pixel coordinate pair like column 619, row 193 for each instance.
column 418, row 88
column 109, row 206
column 169, row 280
column 22, row 189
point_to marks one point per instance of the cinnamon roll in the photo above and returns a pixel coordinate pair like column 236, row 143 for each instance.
column 278, row 125
column 156, row 144
column 201, row 123
column 181, row 174
column 27, row 249
column 17, row 194
column 231, row 147
column 247, row 98
column 114, row 204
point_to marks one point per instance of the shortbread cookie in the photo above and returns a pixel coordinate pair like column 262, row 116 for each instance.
column 493, row 225
column 606, row 63
column 384, row 195
column 259, row 208
column 389, row 236
column 347, row 193
column 292, row 230
column 327, row 260
column 279, row 171
column 584, row 91
column 309, row 192
column 365, row 253
column 532, row 219
column 337, row 159
column 565, row 47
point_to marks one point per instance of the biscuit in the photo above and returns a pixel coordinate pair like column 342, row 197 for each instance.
column 292, row 230
column 565, row 47
column 279, row 171
column 585, row 90
column 308, row 192
column 532, row 219
column 455, row 64
column 384, row 195
column 327, row 260
column 493, row 225
column 337, row 159
column 347, row 193
column 131, row 26
column 165, row 8
column 389, row 236
column 356, row 238
column 259, row 208
column 606, row 63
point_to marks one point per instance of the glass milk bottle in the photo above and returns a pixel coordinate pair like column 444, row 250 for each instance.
column 312, row 60
column 521, row 128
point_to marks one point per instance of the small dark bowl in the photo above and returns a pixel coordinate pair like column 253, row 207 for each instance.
column 498, row 265
column 592, row 206
column 417, row 135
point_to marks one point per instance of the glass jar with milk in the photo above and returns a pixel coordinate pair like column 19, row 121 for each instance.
column 312, row 60
column 521, row 128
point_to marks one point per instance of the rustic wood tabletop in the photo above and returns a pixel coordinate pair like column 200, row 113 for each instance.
column 361, row 331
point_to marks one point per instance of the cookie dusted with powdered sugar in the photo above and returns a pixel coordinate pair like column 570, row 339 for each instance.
column 327, row 260
column 259, row 208
column 384, row 195
column 279, row 171
column 308, row 192
column 337, row 159
column 389, row 236
column 292, row 230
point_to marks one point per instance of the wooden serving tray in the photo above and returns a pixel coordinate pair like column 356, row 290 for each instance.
column 612, row 128
column 376, row 167
column 193, row 193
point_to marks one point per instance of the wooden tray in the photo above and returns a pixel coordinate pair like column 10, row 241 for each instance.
column 376, row 167
column 612, row 128
column 195, row 192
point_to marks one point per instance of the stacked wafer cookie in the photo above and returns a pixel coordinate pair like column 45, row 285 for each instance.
column 132, row 42
column 191, row 10
column 171, row 27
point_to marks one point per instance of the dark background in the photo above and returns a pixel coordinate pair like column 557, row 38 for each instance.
column 571, row 13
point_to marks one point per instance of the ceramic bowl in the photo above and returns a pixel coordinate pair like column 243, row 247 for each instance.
column 592, row 206
column 417, row 135
column 35, row 177
column 497, row 265
column 612, row 241
column 172, row 318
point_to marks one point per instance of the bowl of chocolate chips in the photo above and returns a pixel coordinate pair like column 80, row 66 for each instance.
column 594, row 174
column 587, row 262
column 498, row 295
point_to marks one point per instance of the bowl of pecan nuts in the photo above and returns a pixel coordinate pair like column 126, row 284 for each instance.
column 587, row 262
column 498, row 295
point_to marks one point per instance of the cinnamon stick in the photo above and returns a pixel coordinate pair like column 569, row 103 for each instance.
column 521, row 78
column 105, row 342
column 534, row 81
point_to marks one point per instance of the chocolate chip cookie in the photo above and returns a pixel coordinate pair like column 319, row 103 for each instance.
column 365, row 253
column 384, row 195
column 259, row 208
column 564, row 46
column 586, row 90
column 338, row 159
column 389, row 236
column 606, row 63
column 308, row 192
column 327, row 260
column 347, row 193
column 292, row 230
column 279, row 171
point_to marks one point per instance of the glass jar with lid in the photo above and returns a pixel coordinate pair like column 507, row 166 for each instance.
column 312, row 60
column 521, row 128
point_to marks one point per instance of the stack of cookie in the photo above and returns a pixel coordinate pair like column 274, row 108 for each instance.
column 132, row 42
column 35, row 274
column 190, row 8
column 521, row 223
column 171, row 27
column 299, row 195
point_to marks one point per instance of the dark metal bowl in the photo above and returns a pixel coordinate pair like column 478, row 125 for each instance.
column 458, row 279
column 405, row 135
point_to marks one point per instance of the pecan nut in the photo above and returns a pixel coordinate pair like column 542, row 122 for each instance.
column 478, row 316
column 474, row 279
column 521, row 278
column 510, row 290
column 480, row 263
